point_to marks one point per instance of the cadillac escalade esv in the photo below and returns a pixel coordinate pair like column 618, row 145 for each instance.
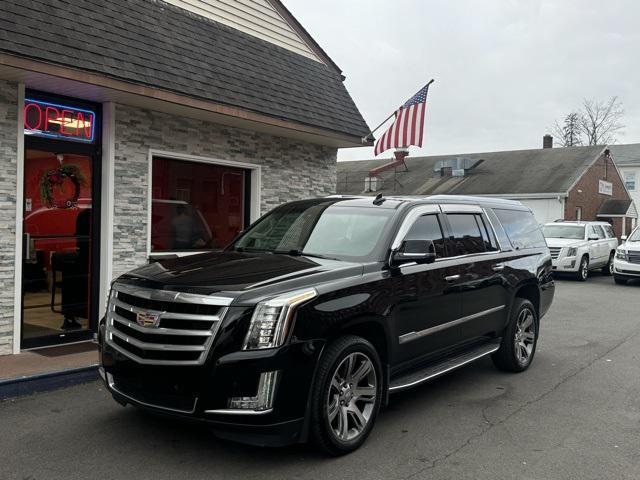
column 302, row 327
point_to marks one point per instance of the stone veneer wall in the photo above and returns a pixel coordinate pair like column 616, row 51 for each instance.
column 8, row 178
column 291, row 170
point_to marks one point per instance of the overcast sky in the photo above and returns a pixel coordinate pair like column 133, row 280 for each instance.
column 504, row 69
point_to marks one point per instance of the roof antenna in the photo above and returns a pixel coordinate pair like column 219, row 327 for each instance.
column 379, row 200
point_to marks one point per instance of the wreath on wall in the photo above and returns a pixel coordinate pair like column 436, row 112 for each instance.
column 55, row 180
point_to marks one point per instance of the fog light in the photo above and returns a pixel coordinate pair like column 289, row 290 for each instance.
column 263, row 400
column 573, row 263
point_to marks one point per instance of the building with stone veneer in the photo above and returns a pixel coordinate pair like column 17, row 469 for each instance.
column 131, row 129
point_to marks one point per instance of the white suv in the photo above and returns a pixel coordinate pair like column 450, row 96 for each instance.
column 626, row 265
column 577, row 247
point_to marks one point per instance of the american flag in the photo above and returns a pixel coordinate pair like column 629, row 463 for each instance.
column 408, row 126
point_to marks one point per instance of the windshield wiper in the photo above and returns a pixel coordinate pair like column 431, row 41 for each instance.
column 299, row 253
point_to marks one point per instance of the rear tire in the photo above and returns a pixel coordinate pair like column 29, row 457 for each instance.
column 619, row 280
column 583, row 270
column 608, row 268
column 346, row 395
column 519, row 339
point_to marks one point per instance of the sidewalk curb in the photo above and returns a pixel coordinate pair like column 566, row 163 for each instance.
column 29, row 384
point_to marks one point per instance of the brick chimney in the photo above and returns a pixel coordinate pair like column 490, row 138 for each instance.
column 547, row 141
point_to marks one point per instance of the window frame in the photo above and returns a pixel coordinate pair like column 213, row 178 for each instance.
column 630, row 177
column 253, row 193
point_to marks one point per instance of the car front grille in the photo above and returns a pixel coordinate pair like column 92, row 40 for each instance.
column 159, row 327
column 555, row 252
column 634, row 257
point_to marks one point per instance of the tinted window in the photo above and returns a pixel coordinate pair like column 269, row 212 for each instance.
column 466, row 234
column 427, row 227
column 521, row 228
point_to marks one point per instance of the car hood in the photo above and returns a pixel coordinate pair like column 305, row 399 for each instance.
column 565, row 242
column 240, row 274
column 631, row 246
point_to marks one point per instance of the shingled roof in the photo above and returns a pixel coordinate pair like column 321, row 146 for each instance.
column 520, row 172
column 628, row 154
column 152, row 43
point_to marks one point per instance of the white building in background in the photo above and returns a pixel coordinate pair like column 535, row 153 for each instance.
column 627, row 158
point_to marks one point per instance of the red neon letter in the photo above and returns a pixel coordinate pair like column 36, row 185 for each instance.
column 48, row 117
column 88, row 125
column 63, row 123
column 27, row 125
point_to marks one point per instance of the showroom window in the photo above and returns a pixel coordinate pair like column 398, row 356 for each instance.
column 196, row 205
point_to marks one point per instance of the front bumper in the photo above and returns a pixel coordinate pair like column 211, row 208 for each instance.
column 565, row 264
column 622, row 268
column 202, row 392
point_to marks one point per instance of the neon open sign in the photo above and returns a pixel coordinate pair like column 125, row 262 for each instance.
column 62, row 122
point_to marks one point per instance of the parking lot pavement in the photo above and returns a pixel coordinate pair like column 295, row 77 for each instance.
column 574, row 414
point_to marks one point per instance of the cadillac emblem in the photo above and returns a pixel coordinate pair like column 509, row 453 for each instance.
column 145, row 319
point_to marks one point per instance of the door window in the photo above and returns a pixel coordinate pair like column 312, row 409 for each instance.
column 598, row 231
column 609, row 231
column 469, row 234
column 58, row 243
column 427, row 227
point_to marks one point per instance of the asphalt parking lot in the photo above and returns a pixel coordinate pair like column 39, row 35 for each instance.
column 575, row 414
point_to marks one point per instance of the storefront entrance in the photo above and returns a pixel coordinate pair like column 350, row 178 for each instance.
column 60, row 257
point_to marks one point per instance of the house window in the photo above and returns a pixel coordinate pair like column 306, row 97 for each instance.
column 630, row 181
column 578, row 213
column 196, row 205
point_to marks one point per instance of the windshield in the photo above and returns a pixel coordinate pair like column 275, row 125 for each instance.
column 575, row 232
column 635, row 236
column 321, row 229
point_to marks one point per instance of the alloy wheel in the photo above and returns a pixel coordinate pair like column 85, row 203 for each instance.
column 611, row 266
column 352, row 396
column 584, row 269
column 525, row 336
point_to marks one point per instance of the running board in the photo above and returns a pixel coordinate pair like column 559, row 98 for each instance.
column 434, row 370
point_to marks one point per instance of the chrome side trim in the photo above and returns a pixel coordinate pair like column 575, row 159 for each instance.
column 460, row 208
column 238, row 411
column 408, row 337
column 169, row 296
column 445, row 370
column 112, row 386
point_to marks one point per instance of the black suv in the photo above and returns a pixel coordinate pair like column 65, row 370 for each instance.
column 302, row 327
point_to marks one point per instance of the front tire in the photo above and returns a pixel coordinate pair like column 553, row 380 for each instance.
column 608, row 268
column 519, row 340
column 346, row 396
column 583, row 270
column 619, row 280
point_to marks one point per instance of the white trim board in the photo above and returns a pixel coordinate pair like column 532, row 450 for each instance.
column 107, row 204
column 17, row 303
column 255, row 194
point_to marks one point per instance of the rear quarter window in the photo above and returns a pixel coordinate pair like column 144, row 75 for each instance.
column 521, row 228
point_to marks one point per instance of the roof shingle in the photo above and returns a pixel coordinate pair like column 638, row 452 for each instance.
column 153, row 43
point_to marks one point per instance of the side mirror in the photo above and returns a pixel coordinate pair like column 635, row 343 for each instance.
column 593, row 238
column 623, row 238
column 418, row 251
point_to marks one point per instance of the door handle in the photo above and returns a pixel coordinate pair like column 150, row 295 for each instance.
column 498, row 267
column 452, row 278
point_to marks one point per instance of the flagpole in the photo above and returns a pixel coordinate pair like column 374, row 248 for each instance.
column 368, row 138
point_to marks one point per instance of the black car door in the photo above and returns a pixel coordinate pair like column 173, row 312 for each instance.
column 429, row 300
column 479, row 266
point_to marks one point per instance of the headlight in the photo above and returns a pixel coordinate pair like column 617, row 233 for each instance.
column 572, row 252
column 271, row 318
column 621, row 254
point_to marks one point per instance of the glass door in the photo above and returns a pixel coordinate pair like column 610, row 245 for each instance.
column 58, row 247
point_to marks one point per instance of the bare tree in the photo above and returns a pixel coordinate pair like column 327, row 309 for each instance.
column 601, row 121
column 569, row 134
